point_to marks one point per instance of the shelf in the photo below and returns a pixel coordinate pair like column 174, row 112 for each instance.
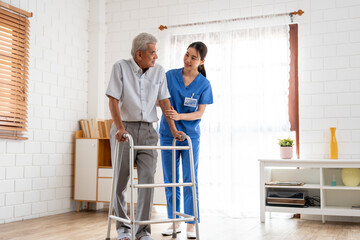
column 311, row 163
column 305, row 186
column 109, row 167
column 337, row 208
column 335, row 200
column 79, row 135
column 340, row 187
column 328, row 210
column 301, row 210
column 341, row 211
column 94, row 138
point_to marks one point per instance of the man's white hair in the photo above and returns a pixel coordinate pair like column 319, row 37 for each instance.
column 141, row 41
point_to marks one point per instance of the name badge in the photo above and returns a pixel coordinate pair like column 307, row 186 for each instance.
column 190, row 102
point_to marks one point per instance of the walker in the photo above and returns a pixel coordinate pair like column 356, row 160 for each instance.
column 131, row 221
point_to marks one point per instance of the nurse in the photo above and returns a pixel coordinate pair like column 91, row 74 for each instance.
column 190, row 93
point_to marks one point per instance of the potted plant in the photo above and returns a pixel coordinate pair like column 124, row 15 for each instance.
column 286, row 148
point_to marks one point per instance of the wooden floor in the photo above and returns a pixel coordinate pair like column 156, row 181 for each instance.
column 92, row 225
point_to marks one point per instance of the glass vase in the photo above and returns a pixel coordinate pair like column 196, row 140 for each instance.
column 333, row 149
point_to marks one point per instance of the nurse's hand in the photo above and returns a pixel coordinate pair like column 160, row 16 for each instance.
column 178, row 135
column 173, row 114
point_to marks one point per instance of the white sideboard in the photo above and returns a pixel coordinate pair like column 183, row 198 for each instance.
column 317, row 175
column 93, row 172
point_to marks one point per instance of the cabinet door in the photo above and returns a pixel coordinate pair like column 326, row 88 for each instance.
column 85, row 169
column 104, row 189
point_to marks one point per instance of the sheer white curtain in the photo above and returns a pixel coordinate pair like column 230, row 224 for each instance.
column 248, row 67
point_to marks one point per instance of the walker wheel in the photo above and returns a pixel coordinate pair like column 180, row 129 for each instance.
column 174, row 235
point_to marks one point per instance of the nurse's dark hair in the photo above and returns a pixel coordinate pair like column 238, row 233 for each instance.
column 201, row 48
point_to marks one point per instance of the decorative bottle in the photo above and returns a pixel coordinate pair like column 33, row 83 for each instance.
column 333, row 150
column 333, row 180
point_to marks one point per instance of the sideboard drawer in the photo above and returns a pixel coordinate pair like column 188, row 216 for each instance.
column 105, row 172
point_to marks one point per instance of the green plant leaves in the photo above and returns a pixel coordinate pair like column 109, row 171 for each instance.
column 287, row 142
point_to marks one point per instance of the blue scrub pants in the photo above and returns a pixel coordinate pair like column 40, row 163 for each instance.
column 166, row 156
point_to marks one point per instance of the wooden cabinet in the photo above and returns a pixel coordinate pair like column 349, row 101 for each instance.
column 317, row 175
column 93, row 171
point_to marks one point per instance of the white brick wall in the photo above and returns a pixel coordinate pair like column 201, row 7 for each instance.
column 14, row 198
column 31, row 196
column 329, row 56
column 2, row 200
column 7, row 186
column 335, row 28
column 14, row 172
column 36, row 175
column 22, row 185
column 2, row 173
column 30, row 185
column 22, row 210
column 6, row 212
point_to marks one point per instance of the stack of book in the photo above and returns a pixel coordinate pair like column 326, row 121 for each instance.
column 96, row 128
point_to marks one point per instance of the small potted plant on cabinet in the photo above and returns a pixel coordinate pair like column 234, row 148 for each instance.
column 286, row 148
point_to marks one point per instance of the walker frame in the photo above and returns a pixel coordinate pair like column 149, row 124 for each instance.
column 131, row 220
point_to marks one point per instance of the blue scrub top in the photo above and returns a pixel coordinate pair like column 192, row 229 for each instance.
column 199, row 89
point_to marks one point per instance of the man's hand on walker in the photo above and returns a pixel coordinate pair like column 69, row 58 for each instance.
column 178, row 135
column 119, row 135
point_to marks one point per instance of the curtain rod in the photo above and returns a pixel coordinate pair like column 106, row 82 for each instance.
column 291, row 14
column 15, row 9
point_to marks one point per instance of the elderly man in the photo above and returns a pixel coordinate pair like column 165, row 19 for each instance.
column 134, row 87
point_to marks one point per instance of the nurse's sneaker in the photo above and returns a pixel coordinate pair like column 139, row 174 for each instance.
column 169, row 231
column 191, row 235
column 190, row 228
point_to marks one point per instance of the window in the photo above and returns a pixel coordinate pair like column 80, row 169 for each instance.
column 14, row 58
column 253, row 73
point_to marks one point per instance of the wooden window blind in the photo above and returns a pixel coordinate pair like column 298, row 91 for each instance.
column 14, row 63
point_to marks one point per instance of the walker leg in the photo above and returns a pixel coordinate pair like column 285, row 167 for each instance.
column 109, row 222
column 193, row 180
column 112, row 192
column 132, row 205
column 174, row 235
